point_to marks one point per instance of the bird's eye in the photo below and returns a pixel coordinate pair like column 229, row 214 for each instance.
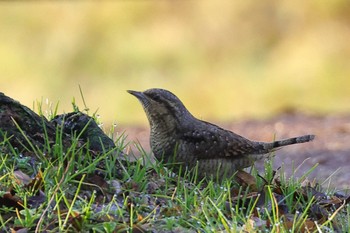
column 156, row 97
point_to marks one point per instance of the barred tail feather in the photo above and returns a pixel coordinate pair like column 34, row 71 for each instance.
column 289, row 141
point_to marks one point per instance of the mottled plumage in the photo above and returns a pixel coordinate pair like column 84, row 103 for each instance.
column 178, row 137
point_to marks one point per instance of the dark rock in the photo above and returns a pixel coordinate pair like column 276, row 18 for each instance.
column 25, row 130
column 83, row 126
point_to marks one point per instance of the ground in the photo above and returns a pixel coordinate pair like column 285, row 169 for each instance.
column 330, row 149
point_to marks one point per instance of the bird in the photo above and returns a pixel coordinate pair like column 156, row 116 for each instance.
column 181, row 140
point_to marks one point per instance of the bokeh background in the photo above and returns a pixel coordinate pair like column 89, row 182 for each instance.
column 226, row 60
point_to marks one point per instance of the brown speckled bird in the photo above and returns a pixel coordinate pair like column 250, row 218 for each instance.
column 178, row 138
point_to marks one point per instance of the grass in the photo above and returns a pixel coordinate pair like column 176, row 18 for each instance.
column 73, row 190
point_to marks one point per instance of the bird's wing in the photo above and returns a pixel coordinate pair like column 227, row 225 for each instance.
column 216, row 142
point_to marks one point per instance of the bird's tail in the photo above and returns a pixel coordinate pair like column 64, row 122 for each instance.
column 289, row 141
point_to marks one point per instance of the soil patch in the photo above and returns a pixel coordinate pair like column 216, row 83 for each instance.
column 330, row 149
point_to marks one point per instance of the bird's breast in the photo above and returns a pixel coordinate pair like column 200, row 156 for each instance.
column 162, row 144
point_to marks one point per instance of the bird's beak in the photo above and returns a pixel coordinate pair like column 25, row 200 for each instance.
column 144, row 100
column 137, row 94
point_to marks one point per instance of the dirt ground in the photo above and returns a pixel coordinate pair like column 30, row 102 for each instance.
column 330, row 149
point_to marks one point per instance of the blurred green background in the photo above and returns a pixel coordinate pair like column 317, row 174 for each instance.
column 225, row 59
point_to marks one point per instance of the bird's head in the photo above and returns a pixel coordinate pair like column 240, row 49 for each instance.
column 163, row 108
